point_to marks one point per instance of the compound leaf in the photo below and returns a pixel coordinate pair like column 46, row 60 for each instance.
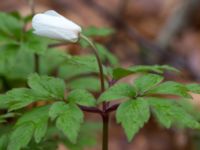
column 118, row 91
column 133, row 114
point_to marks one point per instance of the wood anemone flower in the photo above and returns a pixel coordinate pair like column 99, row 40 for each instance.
column 53, row 25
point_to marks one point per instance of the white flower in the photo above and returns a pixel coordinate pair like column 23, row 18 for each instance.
column 53, row 25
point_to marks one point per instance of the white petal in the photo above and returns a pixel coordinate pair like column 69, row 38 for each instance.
column 53, row 13
column 57, row 33
column 54, row 22
column 72, row 25
column 53, row 25
column 69, row 22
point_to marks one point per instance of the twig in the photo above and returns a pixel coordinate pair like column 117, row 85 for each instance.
column 112, row 108
column 90, row 109
column 105, row 118
column 32, row 6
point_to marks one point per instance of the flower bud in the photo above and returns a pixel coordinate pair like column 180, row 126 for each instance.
column 53, row 25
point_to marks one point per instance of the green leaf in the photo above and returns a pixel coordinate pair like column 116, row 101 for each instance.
column 119, row 73
column 195, row 88
column 171, row 88
column 6, row 129
column 4, row 139
column 82, row 83
column 19, row 98
column 47, row 66
column 83, row 43
column 33, row 43
column 48, row 144
column 69, row 119
column 10, row 26
column 147, row 82
column 94, row 31
column 35, row 116
column 18, row 66
column 5, row 116
column 2, row 120
column 47, row 87
column 15, row 14
column 133, row 114
column 8, row 52
column 81, row 97
column 39, row 118
column 118, row 91
column 87, row 61
column 21, row 136
column 83, row 64
column 40, row 130
column 168, row 112
column 28, row 18
column 106, row 55
column 3, row 101
column 87, row 138
column 57, row 109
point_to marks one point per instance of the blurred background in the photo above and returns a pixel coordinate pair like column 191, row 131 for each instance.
column 146, row 32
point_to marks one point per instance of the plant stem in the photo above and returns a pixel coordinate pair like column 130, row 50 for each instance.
column 104, row 114
column 37, row 63
column 105, row 118
column 32, row 6
column 101, row 74
column 90, row 109
column 36, row 56
column 112, row 108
